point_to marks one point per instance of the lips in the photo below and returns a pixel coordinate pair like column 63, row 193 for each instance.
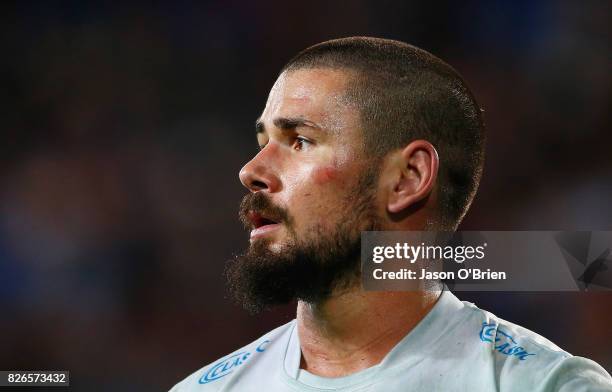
column 258, row 220
column 261, row 224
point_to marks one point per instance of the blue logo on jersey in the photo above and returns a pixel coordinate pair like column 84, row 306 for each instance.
column 227, row 365
column 502, row 342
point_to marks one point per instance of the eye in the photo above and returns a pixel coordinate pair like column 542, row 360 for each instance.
column 301, row 142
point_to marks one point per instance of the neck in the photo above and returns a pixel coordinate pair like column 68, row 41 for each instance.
column 357, row 329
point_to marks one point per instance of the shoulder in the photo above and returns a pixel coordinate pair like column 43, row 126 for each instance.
column 215, row 375
column 524, row 360
column 577, row 374
column 511, row 340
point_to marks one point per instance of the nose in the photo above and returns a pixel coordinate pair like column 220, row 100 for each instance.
column 258, row 174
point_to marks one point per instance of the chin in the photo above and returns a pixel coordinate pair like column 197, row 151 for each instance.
column 271, row 243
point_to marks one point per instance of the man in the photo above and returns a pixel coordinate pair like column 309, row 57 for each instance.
column 369, row 134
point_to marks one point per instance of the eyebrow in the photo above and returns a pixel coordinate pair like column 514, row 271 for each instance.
column 286, row 123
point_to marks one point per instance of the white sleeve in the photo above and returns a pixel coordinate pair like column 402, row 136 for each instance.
column 577, row 374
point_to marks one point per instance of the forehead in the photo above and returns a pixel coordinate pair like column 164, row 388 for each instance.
column 317, row 94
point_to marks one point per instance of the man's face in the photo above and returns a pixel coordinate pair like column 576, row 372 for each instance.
column 312, row 192
column 311, row 157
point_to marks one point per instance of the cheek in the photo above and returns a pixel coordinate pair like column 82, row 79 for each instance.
column 326, row 174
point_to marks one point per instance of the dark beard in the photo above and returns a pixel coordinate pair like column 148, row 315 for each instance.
column 309, row 269
column 308, row 272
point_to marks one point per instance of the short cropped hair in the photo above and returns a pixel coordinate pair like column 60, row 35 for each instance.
column 404, row 93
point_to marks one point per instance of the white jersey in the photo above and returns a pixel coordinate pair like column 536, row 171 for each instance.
column 456, row 347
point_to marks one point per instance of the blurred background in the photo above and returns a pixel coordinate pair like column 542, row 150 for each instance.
column 124, row 128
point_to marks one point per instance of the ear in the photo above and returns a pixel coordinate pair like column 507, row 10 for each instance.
column 418, row 170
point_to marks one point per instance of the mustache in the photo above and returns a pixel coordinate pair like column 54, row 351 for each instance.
column 259, row 203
